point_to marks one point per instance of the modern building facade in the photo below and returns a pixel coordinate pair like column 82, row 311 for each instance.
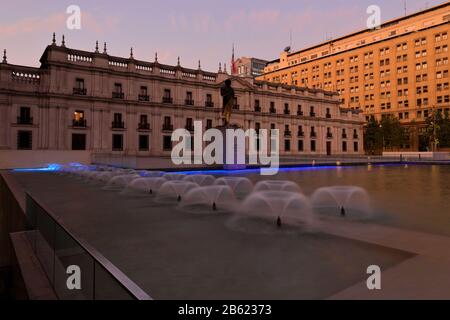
column 250, row 67
column 80, row 100
column 400, row 68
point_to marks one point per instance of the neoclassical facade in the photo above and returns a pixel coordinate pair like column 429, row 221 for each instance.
column 79, row 100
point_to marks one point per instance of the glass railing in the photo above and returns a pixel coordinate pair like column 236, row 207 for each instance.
column 60, row 253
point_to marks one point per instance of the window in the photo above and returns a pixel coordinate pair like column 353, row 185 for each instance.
column 167, row 143
column 167, row 98
column 143, row 143
column 117, row 142
column 208, row 123
column 287, row 145
column 24, row 140
column 209, row 102
column 79, row 87
column 344, row 146
column 300, row 145
column 355, row 146
column 313, row 146
column 24, row 116
column 78, row 141
column 117, row 87
column 78, row 119
column 189, row 100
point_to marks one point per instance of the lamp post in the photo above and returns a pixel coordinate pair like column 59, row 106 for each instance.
column 382, row 137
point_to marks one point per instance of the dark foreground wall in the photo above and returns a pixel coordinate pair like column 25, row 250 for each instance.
column 12, row 219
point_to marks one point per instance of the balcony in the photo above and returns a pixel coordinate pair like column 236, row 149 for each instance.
column 143, row 97
column 118, row 125
column 287, row 111
column 80, row 123
column 257, row 109
column 287, row 133
column 329, row 135
column 301, row 134
column 235, row 107
column 312, row 114
column 189, row 102
column 355, row 136
column 143, row 126
column 328, row 115
column 209, row 104
column 25, row 120
column 189, row 127
column 344, row 136
column 117, row 95
column 313, row 135
column 80, row 91
column 167, row 127
column 272, row 110
column 167, row 100
column 300, row 113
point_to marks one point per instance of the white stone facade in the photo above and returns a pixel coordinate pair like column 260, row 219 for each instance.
column 43, row 102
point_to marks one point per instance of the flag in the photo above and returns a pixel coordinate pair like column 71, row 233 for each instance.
column 233, row 63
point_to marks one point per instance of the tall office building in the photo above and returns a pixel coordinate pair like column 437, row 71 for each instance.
column 400, row 68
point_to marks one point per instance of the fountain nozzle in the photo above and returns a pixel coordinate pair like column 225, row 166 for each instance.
column 279, row 222
column 150, row 191
column 342, row 211
column 179, row 198
column 214, row 206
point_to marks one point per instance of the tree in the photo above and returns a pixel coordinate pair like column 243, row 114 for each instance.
column 373, row 139
column 437, row 130
column 394, row 135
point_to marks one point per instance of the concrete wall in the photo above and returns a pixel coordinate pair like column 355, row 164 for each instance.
column 10, row 159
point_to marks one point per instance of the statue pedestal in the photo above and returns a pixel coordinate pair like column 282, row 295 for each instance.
column 234, row 165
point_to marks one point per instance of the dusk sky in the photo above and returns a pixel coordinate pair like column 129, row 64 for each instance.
column 191, row 29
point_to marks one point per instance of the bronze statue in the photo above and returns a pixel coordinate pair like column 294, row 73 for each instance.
column 227, row 93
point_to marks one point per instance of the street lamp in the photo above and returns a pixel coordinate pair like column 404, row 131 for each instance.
column 382, row 136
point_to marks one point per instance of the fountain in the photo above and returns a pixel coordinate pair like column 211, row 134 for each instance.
column 240, row 186
column 147, row 185
column 121, row 181
column 200, row 179
column 173, row 176
column 346, row 201
column 277, row 185
column 207, row 199
column 174, row 190
column 268, row 211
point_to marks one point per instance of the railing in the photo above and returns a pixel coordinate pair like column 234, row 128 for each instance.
column 189, row 102
column 287, row 133
column 209, row 104
column 167, row 72
column 257, row 109
column 313, row 135
column 189, row 127
column 272, row 110
column 287, row 111
column 144, row 68
column 344, row 136
column 209, row 77
column 299, row 113
column 328, row 116
column 167, row 100
column 26, row 77
column 80, row 91
column 57, row 249
column 117, row 95
column 329, row 135
column 312, row 114
column 119, row 64
column 79, row 58
column 355, row 136
column 118, row 125
column 144, row 126
column 82, row 123
column 301, row 134
column 235, row 107
column 143, row 97
column 167, row 127
column 24, row 120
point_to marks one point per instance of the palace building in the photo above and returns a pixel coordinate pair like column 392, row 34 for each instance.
column 400, row 68
column 101, row 104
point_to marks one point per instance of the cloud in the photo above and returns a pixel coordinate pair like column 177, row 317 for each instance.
column 56, row 22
